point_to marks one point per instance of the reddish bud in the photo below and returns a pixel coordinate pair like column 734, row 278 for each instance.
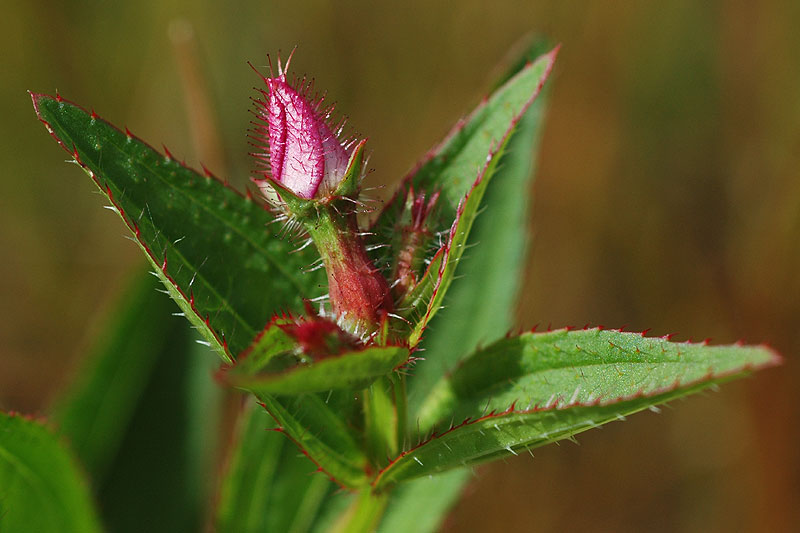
column 320, row 338
column 359, row 294
column 414, row 236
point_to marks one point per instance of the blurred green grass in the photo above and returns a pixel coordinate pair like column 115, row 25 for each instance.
column 668, row 198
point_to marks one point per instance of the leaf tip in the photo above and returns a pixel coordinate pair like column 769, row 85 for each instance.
column 35, row 97
column 774, row 358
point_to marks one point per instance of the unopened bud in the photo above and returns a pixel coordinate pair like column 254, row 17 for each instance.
column 300, row 149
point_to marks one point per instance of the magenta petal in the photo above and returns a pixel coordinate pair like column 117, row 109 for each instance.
column 336, row 158
column 297, row 157
column 302, row 152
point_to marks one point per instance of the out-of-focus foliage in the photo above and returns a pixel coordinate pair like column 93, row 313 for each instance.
column 667, row 197
column 43, row 487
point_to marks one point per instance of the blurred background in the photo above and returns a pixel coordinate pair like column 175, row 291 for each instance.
column 668, row 197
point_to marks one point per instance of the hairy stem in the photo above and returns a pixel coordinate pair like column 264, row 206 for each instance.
column 359, row 293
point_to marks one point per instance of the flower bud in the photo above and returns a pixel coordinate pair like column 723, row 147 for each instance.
column 314, row 178
column 302, row 153
column 412, row 239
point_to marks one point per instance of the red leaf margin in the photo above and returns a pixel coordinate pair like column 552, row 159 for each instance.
column 160, row 262
column 774, row 360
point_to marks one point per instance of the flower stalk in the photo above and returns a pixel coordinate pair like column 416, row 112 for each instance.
column 359, row 294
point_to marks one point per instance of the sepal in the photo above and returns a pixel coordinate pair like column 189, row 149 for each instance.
column 311, row 355
column 283, row 199
column 351, row 181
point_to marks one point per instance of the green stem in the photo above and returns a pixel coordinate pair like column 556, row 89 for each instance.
column 360, row 298
column 400, row 406
column 380, row 421
column 365, row 514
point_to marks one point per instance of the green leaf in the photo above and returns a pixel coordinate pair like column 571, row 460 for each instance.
column 94, row 413
column 270, row 346
column 41, row 488
column 381, row 417
column 490, row 274
column 225, row 266
column 333, row 510
column 463, row 154
column 159, row 478
column 142, row 415
column 269, row 485
column 435, row 494
column 453, row 165
column 488, row 286
column 535, row 389
column 351, row 370
column 212, row 247
column 322, row 433
column 425, row 299
column 475, row 148
column 271, row 365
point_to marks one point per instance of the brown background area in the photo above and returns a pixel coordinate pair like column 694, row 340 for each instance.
column 668, row 198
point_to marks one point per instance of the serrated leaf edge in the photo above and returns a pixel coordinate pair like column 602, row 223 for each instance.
column 222, row 375
column 401, row 192
column 159, row 263
column 775, row 359
column 280, row 429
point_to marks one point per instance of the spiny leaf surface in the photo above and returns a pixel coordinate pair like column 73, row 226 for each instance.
column 452, row 166
column 475, row 147
column 490, row 270
column 213, row 248
column 350, row 370
column 537, row 388
column 322, row 434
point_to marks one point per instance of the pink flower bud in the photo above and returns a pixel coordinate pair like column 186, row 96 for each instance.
column 302, row 152
column 301, row 155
